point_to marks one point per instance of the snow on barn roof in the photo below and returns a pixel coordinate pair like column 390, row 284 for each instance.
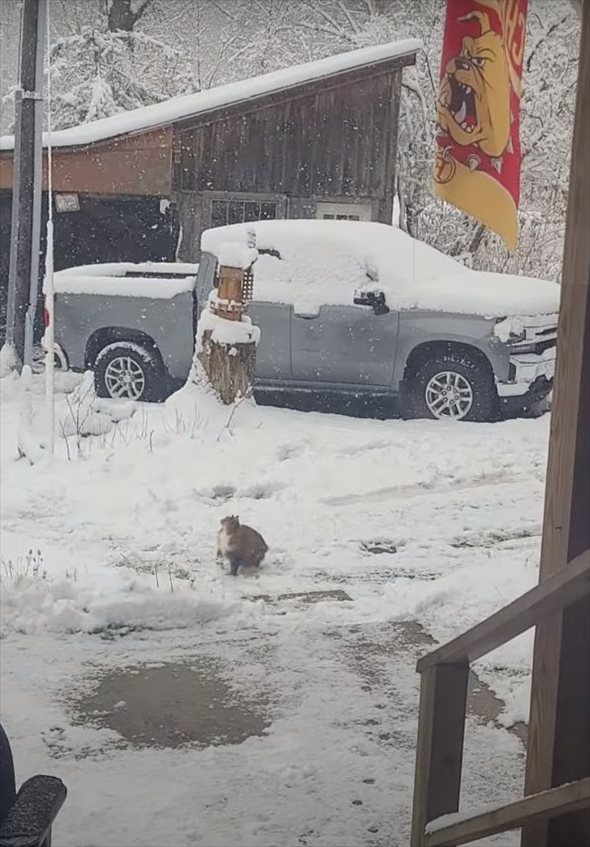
column 191, row 105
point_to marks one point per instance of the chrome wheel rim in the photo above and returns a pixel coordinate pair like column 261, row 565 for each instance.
column 124, row 378
column 449, row 395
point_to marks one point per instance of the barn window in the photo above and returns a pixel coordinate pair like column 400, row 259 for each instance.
column 240, row 211
column 344, row 211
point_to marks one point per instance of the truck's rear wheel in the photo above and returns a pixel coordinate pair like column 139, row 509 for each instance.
column 453, row 386
column 125, row 370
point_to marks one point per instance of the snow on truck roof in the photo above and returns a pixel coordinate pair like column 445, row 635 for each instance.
column 191, row 105
column 159, row 280
column 320, row 262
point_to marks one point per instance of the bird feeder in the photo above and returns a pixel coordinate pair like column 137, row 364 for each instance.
column 235, row 283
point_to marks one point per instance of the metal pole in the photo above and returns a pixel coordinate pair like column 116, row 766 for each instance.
column 37, row 180
column 27, row 184
column 49, row 284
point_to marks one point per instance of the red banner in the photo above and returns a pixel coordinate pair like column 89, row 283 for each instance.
column 477, row 166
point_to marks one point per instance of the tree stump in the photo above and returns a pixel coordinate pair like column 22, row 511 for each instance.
column 229, row 367
column 226, row 339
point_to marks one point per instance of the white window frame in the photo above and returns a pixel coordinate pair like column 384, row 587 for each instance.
column 363, row 210
column 279, row 200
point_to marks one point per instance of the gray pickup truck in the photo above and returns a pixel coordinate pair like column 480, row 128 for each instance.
column 343, row 308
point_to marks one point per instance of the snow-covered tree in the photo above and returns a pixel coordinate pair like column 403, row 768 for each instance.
column 109, row 65
column 97, row 73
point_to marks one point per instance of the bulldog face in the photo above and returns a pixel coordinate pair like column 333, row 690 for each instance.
column 474, row 101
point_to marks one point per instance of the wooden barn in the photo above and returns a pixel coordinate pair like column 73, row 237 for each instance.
column 315, row 140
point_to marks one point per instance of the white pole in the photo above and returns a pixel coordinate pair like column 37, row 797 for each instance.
column 49, row 286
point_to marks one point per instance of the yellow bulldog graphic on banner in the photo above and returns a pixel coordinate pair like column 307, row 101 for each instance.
column 477, row 165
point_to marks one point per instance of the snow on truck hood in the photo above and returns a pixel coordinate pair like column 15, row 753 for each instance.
column 318, row 256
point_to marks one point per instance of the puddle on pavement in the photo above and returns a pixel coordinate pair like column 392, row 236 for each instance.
column 171, row 706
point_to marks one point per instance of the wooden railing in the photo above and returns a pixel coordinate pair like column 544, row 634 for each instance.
column 443, row 701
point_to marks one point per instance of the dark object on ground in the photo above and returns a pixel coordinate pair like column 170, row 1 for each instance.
column 26, row 816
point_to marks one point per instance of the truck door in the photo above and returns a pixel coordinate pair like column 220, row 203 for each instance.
column 345, row 346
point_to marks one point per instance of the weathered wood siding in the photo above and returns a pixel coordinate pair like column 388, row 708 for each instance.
column 336, row 139
column 133, row 165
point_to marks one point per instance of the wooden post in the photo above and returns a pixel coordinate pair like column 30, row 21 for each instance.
column 559, row 731
column 25, row 234
column 439, row 749
column 229, row 365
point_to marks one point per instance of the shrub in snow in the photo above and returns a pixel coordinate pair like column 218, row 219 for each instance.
column 30, row 565
column 81, row 416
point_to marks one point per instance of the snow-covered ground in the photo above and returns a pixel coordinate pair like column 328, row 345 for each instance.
column 108, row 562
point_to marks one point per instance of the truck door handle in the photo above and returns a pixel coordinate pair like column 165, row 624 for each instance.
column 306, row 317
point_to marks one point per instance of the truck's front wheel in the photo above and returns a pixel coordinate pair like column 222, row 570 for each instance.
column 125, row 370
column 453, row 386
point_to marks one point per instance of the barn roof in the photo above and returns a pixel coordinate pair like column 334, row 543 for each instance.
column 192, row 105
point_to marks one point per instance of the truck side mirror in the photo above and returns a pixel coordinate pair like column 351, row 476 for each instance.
column 375, row 299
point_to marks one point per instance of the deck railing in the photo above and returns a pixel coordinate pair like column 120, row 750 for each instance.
column 441, row 727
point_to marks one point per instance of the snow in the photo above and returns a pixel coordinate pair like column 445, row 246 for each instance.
column 113, row 279
column 430, row 524
column 509, row 328
column 235, row 255
column 519, row 327
column 121, row 269
column 119, row 286
column 29, row 446
column 244, row 91
column 444, row 821
column 448, row 820
column 152, row 287
column 8, row 359
column 322, row 262
column 224, row 331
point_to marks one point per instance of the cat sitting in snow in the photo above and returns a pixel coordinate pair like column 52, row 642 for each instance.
column 240, row 545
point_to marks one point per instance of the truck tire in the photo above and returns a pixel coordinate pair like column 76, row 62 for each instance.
column 454, row 386
column 125, row 370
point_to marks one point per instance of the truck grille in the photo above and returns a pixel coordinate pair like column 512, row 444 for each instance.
column 541, row 346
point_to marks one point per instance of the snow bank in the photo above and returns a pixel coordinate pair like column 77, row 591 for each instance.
column 233, row 93
column 79, row 586
column 31, row 604
column 196, row 409
column 8, row 359
column 28, row 444
column 323, row 262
